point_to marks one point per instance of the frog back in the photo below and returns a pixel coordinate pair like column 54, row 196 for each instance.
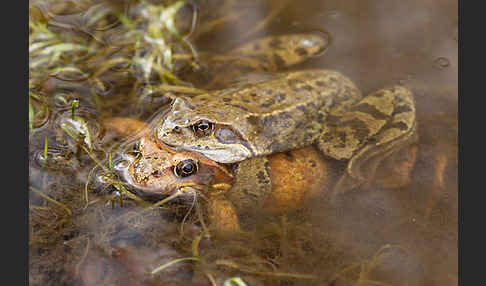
column 289, row 111
column 279, row 114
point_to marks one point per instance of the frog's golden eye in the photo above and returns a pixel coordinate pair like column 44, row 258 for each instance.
column 136, row 146
column 135, row 150
column 185, row 168
column 203, row 128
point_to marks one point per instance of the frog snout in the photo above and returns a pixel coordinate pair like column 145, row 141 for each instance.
column 163, row 134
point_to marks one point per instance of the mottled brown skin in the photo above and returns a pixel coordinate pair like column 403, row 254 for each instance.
column 296, row 177
column 279, row 112
column 362, row 132
column 275, row 184
column 268, row 54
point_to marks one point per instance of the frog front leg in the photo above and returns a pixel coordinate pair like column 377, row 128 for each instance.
column 222, row 215
column 368, row 132
column 279, row 183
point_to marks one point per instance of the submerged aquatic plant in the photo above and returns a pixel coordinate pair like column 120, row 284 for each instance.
column 162, row 267
column 156, row 42
column 74, row 105
column 362, row 271
column 77, row 128
column 234, row 281
column 54, row 53
column 38, row 108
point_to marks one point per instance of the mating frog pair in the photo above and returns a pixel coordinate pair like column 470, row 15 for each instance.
column 252, row 123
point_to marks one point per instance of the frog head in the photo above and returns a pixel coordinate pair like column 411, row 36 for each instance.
column 159, row 170
column 214, row 132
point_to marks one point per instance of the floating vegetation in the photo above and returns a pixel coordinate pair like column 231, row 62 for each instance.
column 143, row 53
column 154, row 45
column 38, row 108
column 52, row 53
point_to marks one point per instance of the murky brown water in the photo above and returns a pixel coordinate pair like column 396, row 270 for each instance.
column 406, row 236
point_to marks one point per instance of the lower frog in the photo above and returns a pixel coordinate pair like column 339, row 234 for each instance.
column 278, row 112
column 277, row 183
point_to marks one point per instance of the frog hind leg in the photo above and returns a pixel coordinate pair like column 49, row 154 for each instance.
column 276, row 52
column 263, row 55
column 371, row 130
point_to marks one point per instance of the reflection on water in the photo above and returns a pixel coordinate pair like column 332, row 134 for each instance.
column 371, row 236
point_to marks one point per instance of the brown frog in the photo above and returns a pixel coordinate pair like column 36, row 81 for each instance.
column 278, row 112
column 287, row 176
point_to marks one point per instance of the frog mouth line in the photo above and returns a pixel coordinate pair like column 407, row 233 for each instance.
column 190, row 148
column 157, row 193
column 163, row 198
column 165, row 145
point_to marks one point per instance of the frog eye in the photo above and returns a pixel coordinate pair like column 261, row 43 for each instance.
column 203, row 128
column 135, row 149
column 136, row 146
column 185, row 168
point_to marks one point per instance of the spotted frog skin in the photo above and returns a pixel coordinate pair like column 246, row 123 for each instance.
column 288, row 110
column 268, row 54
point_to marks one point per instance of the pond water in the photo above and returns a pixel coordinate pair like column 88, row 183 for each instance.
column 80, row 234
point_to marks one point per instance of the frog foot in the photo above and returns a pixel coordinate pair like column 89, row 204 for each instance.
column 392, row 171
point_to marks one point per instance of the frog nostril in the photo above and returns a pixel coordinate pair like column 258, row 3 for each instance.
column 176, row 129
